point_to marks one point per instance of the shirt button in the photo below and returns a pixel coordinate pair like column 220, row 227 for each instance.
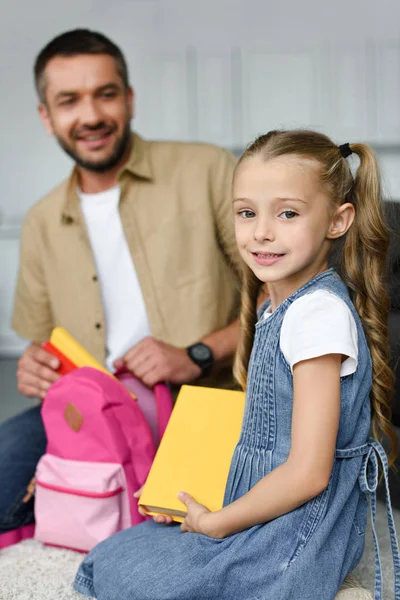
column 98, row 325
column 67, row 219
column 94, row 277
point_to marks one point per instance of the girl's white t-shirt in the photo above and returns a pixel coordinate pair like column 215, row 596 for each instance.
column 317, row 324
column 126, row 320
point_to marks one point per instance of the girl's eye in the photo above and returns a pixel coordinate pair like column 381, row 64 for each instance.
column 246, row 214
column 288, row 214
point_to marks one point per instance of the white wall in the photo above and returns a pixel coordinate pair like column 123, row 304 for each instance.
column 215, row 70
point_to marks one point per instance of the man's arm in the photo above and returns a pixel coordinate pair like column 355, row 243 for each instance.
column 223, row 344
column 32, row 317
column 152, row 360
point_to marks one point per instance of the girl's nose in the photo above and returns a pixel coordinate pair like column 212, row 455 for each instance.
column 264, row 232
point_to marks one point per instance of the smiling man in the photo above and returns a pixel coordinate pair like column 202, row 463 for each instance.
column 132, row 254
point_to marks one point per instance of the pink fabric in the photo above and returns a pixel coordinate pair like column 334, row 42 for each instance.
column 164, row 407
column 76, row 492
column 108, row 430
column 100, row 447
column 16, row 535
column 156, row 405
column 78, row 504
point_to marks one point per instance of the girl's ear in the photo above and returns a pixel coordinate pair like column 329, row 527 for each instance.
column 341, row 221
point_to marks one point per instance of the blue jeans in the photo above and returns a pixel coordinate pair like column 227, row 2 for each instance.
column 22, row 443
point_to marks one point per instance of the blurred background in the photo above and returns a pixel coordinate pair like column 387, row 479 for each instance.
column 218, row 71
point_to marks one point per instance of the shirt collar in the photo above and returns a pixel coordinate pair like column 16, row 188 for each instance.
column 138, row 165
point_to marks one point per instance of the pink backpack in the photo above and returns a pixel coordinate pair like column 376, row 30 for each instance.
column 100, row 447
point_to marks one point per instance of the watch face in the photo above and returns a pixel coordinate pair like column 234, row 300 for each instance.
column 200, row 352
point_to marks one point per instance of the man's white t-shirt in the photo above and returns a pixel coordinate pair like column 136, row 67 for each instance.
column 126, row 320
column 317, row 324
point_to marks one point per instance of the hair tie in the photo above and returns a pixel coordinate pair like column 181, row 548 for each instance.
column 345, row 150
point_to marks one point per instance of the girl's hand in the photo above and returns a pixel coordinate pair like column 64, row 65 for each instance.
column 199, row 519
column 157, row 518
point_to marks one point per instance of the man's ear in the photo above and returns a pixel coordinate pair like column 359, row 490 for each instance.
column 131, row 102
column 341, row 221
column 44, row 115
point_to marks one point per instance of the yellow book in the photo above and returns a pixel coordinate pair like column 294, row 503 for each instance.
column 72, row 349
column 195, row 452
column 76, row 353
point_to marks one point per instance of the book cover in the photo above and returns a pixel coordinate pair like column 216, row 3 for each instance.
column 72, row 349
column 75, row 354
column 66, row 366
column 195, row 453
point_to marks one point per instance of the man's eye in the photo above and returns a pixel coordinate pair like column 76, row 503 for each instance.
column 66, row 102
column 246, row 214
column 288, row 214
column 109, row 95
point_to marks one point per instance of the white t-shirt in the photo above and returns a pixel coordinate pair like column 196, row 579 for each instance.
column 317, row 324
column 126, row 320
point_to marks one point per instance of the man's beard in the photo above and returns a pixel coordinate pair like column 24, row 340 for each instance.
column 120, row 148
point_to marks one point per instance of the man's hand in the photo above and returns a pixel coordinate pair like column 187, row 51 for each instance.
column 36, row 372
column 154, row 361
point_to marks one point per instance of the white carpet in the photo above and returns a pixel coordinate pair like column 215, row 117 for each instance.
column 31, row 571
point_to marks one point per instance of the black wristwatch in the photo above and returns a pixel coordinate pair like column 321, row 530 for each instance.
column 202, row 356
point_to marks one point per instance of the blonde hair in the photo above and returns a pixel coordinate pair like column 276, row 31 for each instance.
column 362, row 257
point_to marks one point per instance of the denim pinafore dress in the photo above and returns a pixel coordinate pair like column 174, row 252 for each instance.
column 302, row 555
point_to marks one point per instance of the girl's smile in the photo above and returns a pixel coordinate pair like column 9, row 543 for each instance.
column 266, row 259
column 283, row 218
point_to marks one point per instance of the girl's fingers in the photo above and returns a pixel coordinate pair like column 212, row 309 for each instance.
column 163, row 519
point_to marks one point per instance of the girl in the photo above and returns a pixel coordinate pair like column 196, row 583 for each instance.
column 314, row 365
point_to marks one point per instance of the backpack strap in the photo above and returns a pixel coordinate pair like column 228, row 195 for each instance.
column 161, row 394
column 164, row 404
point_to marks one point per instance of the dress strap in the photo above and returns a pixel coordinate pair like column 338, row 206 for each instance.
column 372, row 453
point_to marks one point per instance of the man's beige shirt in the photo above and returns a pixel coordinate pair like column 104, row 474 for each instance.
column 176, row 212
